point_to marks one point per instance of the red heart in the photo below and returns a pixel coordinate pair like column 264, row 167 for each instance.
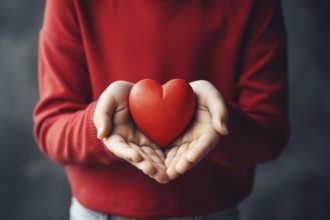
column 162, row 112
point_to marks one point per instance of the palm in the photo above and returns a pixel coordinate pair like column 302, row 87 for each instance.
column 121, row 136
column 193, row 145
column 203, row 134
column 126, row 141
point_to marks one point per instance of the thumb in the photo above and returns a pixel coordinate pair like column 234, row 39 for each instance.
column 103, row 115
column 115, row 96
column 219, row 112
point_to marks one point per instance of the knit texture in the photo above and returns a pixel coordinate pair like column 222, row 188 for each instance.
column 239, row 46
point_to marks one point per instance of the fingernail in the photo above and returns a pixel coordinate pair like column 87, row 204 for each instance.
column 224, row 128
column 99, row 132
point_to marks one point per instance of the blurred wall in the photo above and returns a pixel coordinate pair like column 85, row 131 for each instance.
column 295, row 187
column 31, row 187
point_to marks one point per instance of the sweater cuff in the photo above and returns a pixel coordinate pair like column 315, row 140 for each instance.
column 97, row 147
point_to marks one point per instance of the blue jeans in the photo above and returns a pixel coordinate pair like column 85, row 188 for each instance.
column 79, row 212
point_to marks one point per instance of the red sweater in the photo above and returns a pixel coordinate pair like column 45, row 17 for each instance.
column 239, row 46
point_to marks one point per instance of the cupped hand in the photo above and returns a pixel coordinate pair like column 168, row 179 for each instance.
column 121, row 136
column 209, row 123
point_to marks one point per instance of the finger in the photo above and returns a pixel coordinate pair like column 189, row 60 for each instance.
column 152, row 170
column 162, row 177
column 151, row 147
column 179, row 151
column 113, row 98
column 103, row 114
column 121, row 149
column 158, row 171
column 219, row 113
column 202, row 147
column 145, row 166
column 151, row 155
column 172, row 173
column 183, row 165
column 171, row 168
column 209, row 97
column 170, row 155
column 160, row 154
column 182, row 149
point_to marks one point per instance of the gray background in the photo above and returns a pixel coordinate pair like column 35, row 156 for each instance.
column 296, row 186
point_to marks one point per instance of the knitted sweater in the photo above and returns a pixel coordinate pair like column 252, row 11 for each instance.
column 239, row 46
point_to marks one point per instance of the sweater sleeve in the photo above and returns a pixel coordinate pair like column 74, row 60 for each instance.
column 258, row 120
column 64, row 129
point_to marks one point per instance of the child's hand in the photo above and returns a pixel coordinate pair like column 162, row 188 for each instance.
column 116, row 127
column 209, row 124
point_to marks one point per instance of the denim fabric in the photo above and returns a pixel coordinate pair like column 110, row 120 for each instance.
column 79, row 212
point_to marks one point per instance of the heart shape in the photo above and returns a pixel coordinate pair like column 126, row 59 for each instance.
column 162, row 112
